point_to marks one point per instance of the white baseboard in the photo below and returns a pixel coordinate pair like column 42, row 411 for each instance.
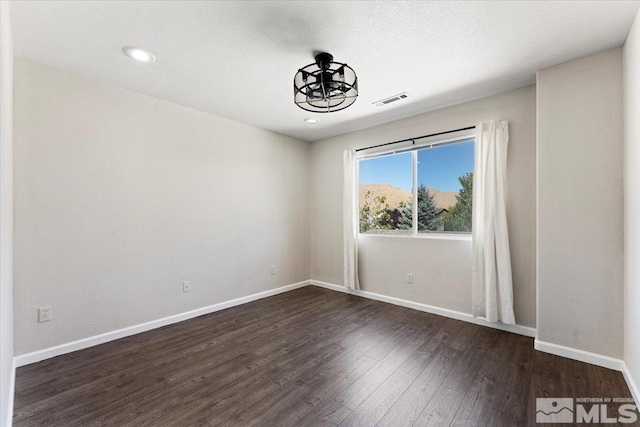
column 594, row 359
column 580, row 355
column 12, row 390
column 516, row 329
column 37, row 356
column 558, row 350
column 633, row 385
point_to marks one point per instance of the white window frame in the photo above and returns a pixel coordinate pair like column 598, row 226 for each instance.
column 433, row 142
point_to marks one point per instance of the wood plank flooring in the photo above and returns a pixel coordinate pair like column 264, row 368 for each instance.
column 310, row 357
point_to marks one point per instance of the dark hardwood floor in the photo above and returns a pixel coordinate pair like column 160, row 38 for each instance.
column 307, row 357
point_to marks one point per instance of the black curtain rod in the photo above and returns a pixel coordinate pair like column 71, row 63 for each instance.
column 417, row 137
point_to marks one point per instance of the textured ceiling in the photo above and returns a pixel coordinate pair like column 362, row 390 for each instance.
column 238, row 59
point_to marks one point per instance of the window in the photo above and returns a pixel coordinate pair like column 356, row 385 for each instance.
column 435, row 180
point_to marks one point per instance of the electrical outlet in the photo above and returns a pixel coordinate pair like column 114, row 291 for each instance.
column 44, row 314
column 186, row 286
column 410, row 278
column 273, row 270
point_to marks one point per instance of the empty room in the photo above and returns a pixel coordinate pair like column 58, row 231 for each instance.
column 319, row 213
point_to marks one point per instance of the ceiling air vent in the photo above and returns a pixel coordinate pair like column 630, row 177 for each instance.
column 391, row 99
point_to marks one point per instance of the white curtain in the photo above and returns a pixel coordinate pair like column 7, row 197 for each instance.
column 350, row 219
column 492, row 282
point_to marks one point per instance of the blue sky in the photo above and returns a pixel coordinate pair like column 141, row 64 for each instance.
column 438, row 167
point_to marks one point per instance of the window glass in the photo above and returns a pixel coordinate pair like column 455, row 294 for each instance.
column 444, row 192
column 445, row 187
column 386, row 193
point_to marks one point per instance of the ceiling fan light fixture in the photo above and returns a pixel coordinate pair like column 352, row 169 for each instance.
column 325, row 86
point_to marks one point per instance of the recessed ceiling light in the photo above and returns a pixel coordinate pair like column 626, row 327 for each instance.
column 139, row 54
column 311, row 121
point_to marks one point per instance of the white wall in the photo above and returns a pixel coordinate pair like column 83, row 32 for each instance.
column 580, row 199
column 6, row 217
column 441, row 268
column 632, row 200
column 119, row 197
